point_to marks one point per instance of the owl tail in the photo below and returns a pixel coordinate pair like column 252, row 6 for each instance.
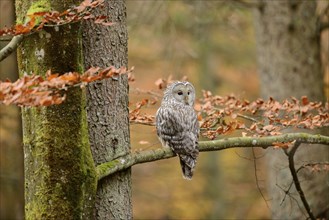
column 188, row 164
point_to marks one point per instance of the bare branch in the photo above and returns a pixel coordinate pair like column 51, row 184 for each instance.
column 296, row 180
column 256, row 178
column 142, row 123
column 315, row 166
column 148, row 92
column 129, row 160
column 247, row 118
column 10, row 47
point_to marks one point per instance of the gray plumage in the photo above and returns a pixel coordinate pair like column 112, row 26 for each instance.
column 177, row 124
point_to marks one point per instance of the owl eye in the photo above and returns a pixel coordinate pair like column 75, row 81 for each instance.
column 180, row 93
column 188, row 93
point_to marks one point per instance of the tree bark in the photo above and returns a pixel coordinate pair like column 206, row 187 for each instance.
column 107, row 108
column 289, row 65
column 288, row 49
column 60, row 177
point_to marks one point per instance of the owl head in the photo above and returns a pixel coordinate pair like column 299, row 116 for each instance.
column 181, row 92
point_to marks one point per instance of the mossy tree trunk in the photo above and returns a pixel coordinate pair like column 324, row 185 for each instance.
column 60, row 178
column 289, row 64
column 107, row 107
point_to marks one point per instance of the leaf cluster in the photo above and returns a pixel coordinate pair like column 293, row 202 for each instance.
column 222, row 115
column 35, row 90
column 38, row 20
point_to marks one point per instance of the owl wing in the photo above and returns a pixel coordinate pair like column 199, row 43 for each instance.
column 167, row 126
column 181, row 137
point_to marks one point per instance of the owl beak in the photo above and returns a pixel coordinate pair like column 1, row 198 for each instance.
column 186, row 100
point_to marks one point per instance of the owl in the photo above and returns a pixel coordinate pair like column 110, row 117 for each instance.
column 177, row 125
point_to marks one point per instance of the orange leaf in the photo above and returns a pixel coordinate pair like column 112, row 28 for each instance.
column 305, row 100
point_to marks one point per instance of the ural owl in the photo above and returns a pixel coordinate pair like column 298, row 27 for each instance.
column 177, row 125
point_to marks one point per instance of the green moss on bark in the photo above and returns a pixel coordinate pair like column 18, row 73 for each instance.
column 60, row 177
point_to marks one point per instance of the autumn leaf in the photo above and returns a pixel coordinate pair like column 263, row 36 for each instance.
column 72, row 15
column 160, row 83
column 283, row 145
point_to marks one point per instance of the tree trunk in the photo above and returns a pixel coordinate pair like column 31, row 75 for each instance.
column 288, row 49
column 207, row 79
column 289, row 65
column 60, row 178
column 107, row 108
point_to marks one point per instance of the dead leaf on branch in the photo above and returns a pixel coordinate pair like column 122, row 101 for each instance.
column 285, row 145
column 34, row 90
column 221, row 115
column 55, row 18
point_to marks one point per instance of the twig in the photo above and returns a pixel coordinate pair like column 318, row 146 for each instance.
column 10, row 47
column 296, row 180
column 142, row 123
column 290, row 197
column 257, row 180
column 248, row 118
column 312, row 165
column 286, row 192
column 152, row 93
column 127, row 161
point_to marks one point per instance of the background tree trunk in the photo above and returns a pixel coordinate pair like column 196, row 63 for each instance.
column 107, row 108
column 289, row 65
column 60, row 178
column 207, row 79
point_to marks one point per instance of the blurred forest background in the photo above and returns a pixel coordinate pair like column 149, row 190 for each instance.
column 213, row 44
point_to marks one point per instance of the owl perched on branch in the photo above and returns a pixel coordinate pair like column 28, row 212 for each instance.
column 177, row 125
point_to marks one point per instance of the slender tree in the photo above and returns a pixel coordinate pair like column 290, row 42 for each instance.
column 289, row 65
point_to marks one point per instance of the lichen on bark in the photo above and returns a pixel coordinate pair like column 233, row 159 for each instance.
column 60, row 177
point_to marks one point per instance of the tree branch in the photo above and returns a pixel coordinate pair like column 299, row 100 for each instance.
column 10, row 47
column 296, row 180
column 129, row 160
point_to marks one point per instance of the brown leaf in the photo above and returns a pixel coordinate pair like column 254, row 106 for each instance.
column 305, row 100
column 161, row 83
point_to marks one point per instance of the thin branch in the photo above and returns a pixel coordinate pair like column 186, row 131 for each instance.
column 152, row 93
column 296, row 180
column 286, row 192
column 312, row 165
column 248, row 118
column 10, row 47
column 257, row 180
column 129, row 160
column 148, row 123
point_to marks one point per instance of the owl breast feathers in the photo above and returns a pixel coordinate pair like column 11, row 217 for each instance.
column 177, row 125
